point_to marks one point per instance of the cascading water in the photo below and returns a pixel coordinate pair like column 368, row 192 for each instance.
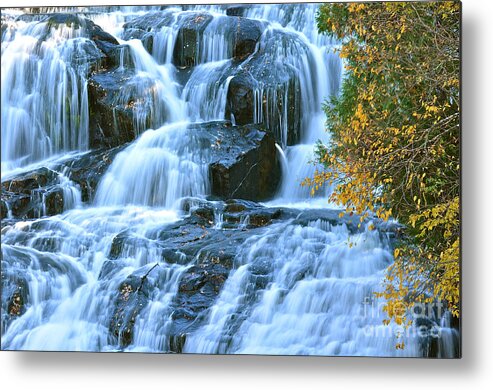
column 44, row 92
column 149, row 262
column 313, row 300
column 159, row 102
column 206, row 99
column 160, row 168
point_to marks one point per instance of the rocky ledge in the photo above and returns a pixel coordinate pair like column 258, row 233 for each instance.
column 243, row 163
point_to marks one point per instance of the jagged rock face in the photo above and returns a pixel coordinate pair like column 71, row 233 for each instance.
column 276, row 98
column 241, row 101
column 132, row 296
column 186, row 49
column 194, row 240
column 111, row 120
column 144, row 27
column 31, row 194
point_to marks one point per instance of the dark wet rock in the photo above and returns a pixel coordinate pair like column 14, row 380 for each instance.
column 178, row 242
column 204, row 279
column 238, row 213
column 43, row 191
column 19, row 264
column 20, row 206
column 132, row 297
column 54, row 201
column 244, row 162
column 265, row 76
column 201, row 284
column 198, row 289
column 240, row 101
column 240, row 34
column 144, row 27
column 236, row 10
column 205, row 213
column 426, row 330
column 32, row 194
column 254, row 174
column 26, row 182
column 15, row 307
column 15, row 291
column 148, row 22
column 122, row 105
column 247, row 33
column 260, row 270
column 110, row 116
column 233, row 206
column 192, row 26
column 127, row 245
column 431, row 323
column 87, row 170
column 193, row 240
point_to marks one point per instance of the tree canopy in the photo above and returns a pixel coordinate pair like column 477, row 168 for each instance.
column 395, row 138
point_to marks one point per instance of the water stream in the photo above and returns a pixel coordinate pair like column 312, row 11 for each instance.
column 294, row 287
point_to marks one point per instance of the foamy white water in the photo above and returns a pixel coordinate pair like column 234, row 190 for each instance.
column 302, row 285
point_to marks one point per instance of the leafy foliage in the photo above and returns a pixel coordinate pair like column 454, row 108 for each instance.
column 395, row 130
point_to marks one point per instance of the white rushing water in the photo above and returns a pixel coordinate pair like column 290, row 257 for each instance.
column 296, row 287
column 161, row 167
column 44, row 92
column 314, row 302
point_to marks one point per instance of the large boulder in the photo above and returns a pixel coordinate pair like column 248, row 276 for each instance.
column 110, row 115
column 87, row 170
column 240, row 105
column 266, row 89
column 197, row 240
column 133, row 295
column 247, row 33
column 198, row 32
column 243, row 160
column 187, row 44
column 32, row 195
column 236, row 9
column 123, row 104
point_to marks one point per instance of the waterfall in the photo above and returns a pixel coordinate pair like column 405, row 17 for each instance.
column 159, row 92
column 44, row 92
column 206, row 91
column 153, row 260
column 313, row 303
column 69, row 290
column 160, row 168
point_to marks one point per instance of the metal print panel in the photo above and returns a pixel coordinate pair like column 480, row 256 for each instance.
column 278, row 179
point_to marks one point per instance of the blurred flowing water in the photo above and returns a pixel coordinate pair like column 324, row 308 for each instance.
column 294, row 288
